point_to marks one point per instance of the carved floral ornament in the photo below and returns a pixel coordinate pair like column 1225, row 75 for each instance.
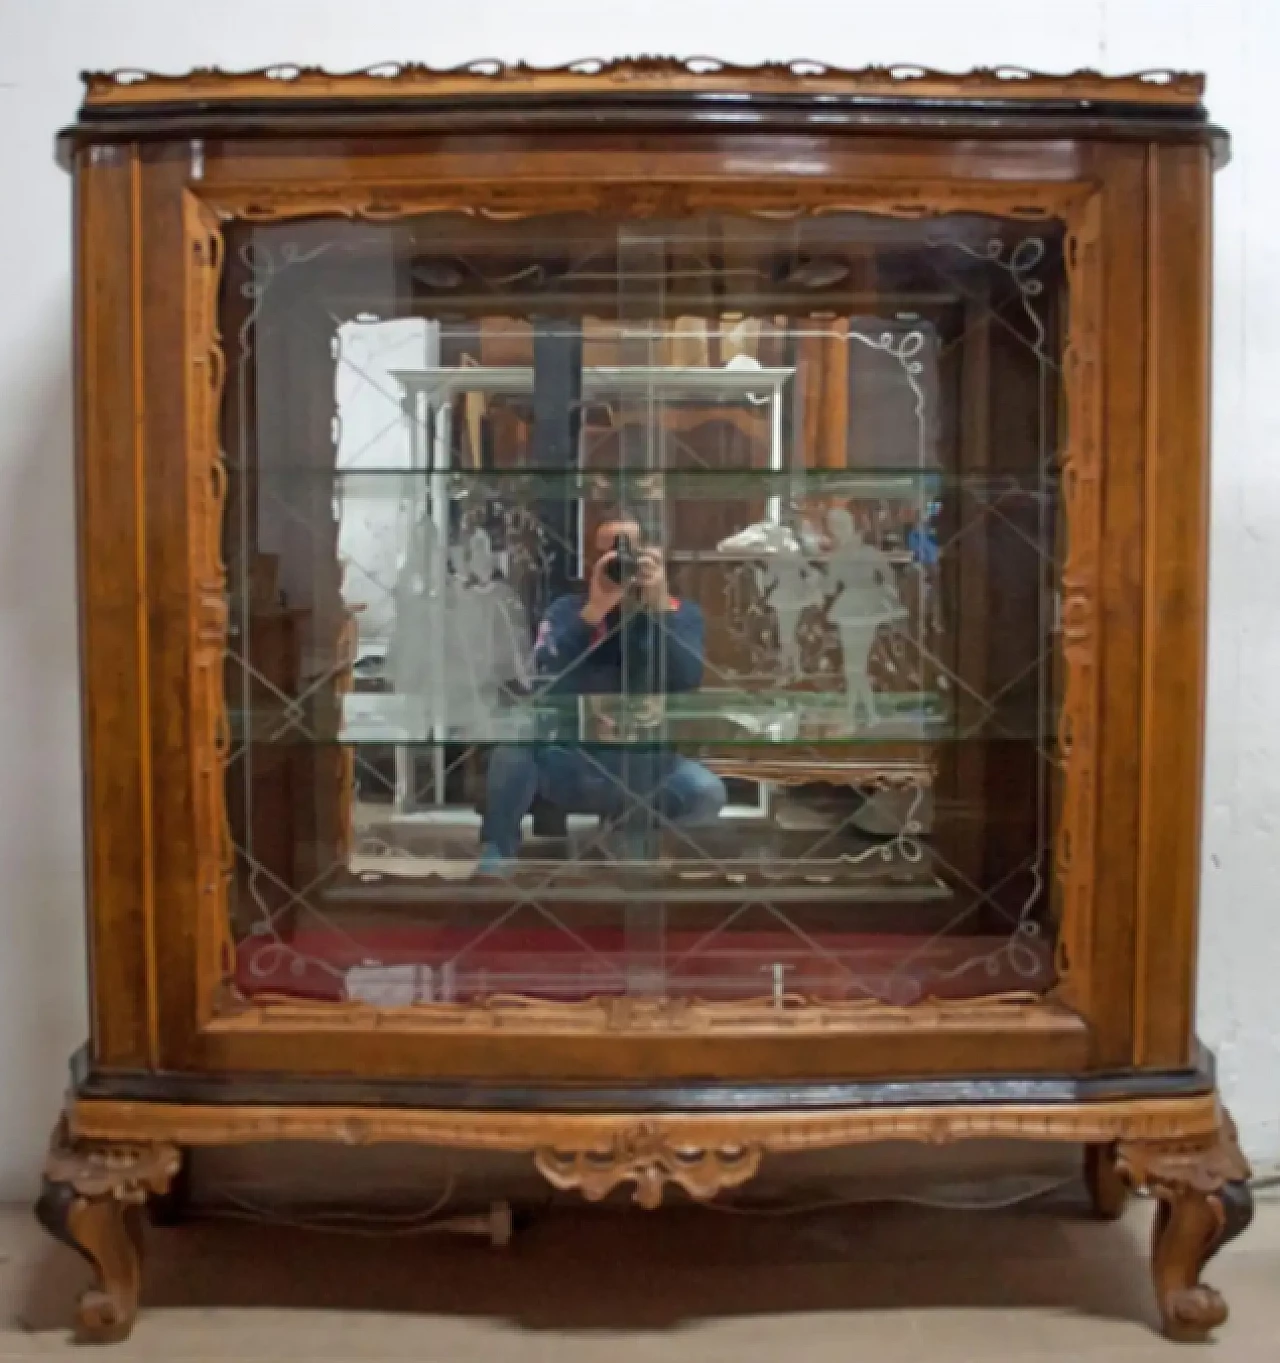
column 778, row 200
column 1176, row 1165
column 286, row 82
column 127, row 1172
column 651, row 1159
column 768, row 1014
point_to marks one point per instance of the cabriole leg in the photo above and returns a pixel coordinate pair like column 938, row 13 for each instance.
column 1203, row 1201
column 92, row 1200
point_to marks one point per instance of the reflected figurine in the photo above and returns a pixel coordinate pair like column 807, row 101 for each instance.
column 460, row 631
column 481, row 562
column 788, row 585
column 418, row 603
column 487, row 628
column 865, row 597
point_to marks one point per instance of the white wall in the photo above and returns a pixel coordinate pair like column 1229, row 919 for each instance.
column 45, row 43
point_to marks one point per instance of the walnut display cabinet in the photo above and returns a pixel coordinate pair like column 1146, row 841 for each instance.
column 649, row 614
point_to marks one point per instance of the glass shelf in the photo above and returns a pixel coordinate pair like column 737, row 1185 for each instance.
column 871, row 484
column 718, row 718
column 671, row 383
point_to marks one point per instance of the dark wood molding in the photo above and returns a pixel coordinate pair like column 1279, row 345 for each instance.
column 638, row 95
column 89, row 1082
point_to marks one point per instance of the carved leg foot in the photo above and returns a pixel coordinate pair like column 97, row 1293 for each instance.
column 1108, row 1192
column 92, row 1200
column 1203, row 1202
column 98, row 1229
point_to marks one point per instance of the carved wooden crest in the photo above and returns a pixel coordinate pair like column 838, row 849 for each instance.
column 650, row 1158
column 1180, row 1166
column 124, row 1172
column 286, row 82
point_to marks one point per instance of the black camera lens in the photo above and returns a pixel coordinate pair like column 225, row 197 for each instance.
column 622, row 567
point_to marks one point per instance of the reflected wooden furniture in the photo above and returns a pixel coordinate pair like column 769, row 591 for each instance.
column 613, row 1092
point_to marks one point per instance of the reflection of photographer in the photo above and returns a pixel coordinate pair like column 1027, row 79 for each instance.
column 626, row 634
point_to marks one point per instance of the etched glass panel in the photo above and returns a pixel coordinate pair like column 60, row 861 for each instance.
column 665, row 609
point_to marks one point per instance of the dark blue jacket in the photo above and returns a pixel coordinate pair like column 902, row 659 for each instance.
column 643, row 652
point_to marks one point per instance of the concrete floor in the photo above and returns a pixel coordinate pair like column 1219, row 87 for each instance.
column 879, row 1283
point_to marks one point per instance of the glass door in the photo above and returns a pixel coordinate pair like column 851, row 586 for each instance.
column 650, row 611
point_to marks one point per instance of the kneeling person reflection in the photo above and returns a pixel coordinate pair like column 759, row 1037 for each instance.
column 626, row 633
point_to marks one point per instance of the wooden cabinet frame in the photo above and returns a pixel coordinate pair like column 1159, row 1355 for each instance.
column 1108, row 1058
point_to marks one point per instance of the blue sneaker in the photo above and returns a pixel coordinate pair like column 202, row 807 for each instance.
column 493, row 863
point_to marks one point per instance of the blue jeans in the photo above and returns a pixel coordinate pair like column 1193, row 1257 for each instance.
column 618, row 784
